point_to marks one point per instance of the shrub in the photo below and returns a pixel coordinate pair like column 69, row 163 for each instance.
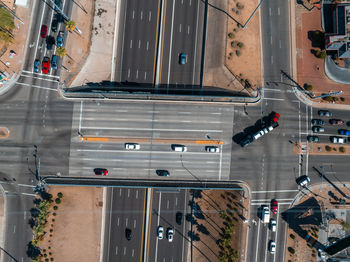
column 342, row 99
column 231, row 54
column 55, row 207
column 231, row 35
column 240, row 44
column 49, row 247
column 233, row 43
column 292, row 236
column 51, row 258
column 51, row 230
column 308, row 87
column 53, row 220
column 45, row 255
column 50, row 235
column 238, row 53
column 342, row 149
column 291, row 250
column 60, row 194
column 327, row 98
column 58, row 201
column 323, row 55
column 50, row 253
column 239, row 6
column 328, row 148
column 54, row 214
column 318, row 53
column 46, row 259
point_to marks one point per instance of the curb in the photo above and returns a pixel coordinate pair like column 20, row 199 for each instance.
column 3, row 223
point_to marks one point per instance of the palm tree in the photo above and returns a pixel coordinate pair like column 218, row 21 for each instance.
column 61, row 51
column 70, row 25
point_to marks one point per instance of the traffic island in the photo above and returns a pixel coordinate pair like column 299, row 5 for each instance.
column 321, row 149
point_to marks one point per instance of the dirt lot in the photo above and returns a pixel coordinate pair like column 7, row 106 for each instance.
column 218, row 210
column 310, row 69
column 76, row 227
column 322, row 149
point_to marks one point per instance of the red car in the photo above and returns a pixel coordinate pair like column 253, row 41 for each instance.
column 336, row 122
column 101, row 171
column 46, row 65
column 43, row 31
column 274, row 206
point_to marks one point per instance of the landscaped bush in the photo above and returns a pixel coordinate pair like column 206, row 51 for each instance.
column 328, row 148
column 233, row 43
column 291, row 250
column 342, row 99
column 238, row 53
column 342, row 149
column 240, row 44
column 58, row 201
column 308, row 87
column 60, row 194
column 231, row 35
column 292, row 236
column 55, row 207
column 240, row 6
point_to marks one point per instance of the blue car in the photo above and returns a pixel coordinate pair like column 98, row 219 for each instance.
column 344, row 132
column 54, row 61
column 183, row 59
column 37, row 66
column 60, row 39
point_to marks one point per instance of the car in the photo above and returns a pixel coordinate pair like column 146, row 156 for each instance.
column 275, row 117
column 317, row 122
column 336, row 122
column 160, row 172
column 178, row 218
column 54, row 62
column 43, row 31
column 313, row 139
column 36, row 66
column 101, row 171
column 274, row 206
column 160, row 232
column 212, row 149
column 246, row 141
column 324, row 113
column 317, row 129
column 178, row 148
column 273, row 225
column 344, row 132
column 265, row 214
column 170, row 234
column 132, row 146
column 182, row 59
column 50, row 41
column 348, row 123
column 128, row 234
column 303, row 180
column 46, row 65
column 54, row 25
column 272, row 247
column 58, row 3
column 60, row 39
column 338, row 140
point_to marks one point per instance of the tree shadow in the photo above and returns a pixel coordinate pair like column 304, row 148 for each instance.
column 317, row 39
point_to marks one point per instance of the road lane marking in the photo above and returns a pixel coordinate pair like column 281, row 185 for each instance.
column 40, row 74
column 124, row 251
column 180, row 28
column 275, row 191
column 141, row 15
column 155, row 67
column 167, row 204
column 188, row 29
column 280, row 43
column 133, row 14
column 190, row 2
column 38, row 37
column 149, row 16
column 137, row 194
column 126, row 222
column 220, row 164
column 122, row 52
column 40, row 87
column 171, row 40
column 148, row 221
column 271, row 59
column 276, row 99
column 139, row 44
column 152, row 129
column 147, row 45
column 120, row 192
column 128, row 192
column 257, row 242
column 273, row 90
column 25, row 185
column 137, row 74
column 129, row 73
column 40, row 78
column 116, row 250
column 279, row 11
column 270, row 11
column 269, row 199
column 118, row 221
column 132, row 252
column 27, row 194
column 145, row 75
column 267, row 203
column 131, row 43
column 195, row 46
column 81, row 115
column 134, row 223
column 271, row 40
column 160, row 200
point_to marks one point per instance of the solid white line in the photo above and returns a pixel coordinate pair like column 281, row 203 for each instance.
column 195, row 47
column 267, row 203
column 38, row 37
column 27, row 194
column 180, row 28
column 274, row 191
column 220, row 165
column 40, row 78
column 269, row 199
column 271, row 59
column 257, row 243
column 149, row 120
column 274, row 257
column 122, row 52
column 149, row 16
column 270, row 11
column 271, row 89
column 103, row 223
column 131, row 43
column 279, row 11
column 81, row 114
column 141, row 15
column 152, row 129
column 270, row 98
column 160, row 200
column 29, row 72
column 46, row 88
column 145, row 249
column 25, row 185
column 171, row 41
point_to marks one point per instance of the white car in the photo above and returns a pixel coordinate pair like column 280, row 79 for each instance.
column 132, row 146
column 273, row 225
column 338, row 140
column 170, row 234
column 212, row 149
column 272, row 247
column 160, row 232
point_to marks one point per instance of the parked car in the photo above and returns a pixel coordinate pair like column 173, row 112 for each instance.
column 246, row 141
column 273, row 225
column 313, row 139
column 132, row 146
column 274, row 206
column 182, row 59
column 317, row 122
column 336, row 122
column 338, row 140
column 324, row 113
column 344, row 132
column 179, row 218
column 212, row 149
column 170, row 234
column 101, row 171
column 303, row 180
column 317, row 129
column 46, row 65
column 160, row 232
column 272, row 247
column 160, row 172
column 43, row 31
column 36, row 65
column 54, row 62
column 60, row 39
column 128, row 234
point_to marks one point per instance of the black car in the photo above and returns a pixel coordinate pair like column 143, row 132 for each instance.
column 50, row 41
column 162, row 172
column 317, row 129
column 54, row 25
column 348, row 123
column 313, row 139
column 324, row 113
column 128, row 233
column 317, row 122
column 179, row 218
column 246, row 141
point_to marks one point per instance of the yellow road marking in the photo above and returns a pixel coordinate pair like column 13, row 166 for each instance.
column 156, row 44
column 143, row 221
column 161, row 53
column 149, row 223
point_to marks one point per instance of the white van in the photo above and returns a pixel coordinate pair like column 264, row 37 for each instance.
column 179, row 148
column 265, row 214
